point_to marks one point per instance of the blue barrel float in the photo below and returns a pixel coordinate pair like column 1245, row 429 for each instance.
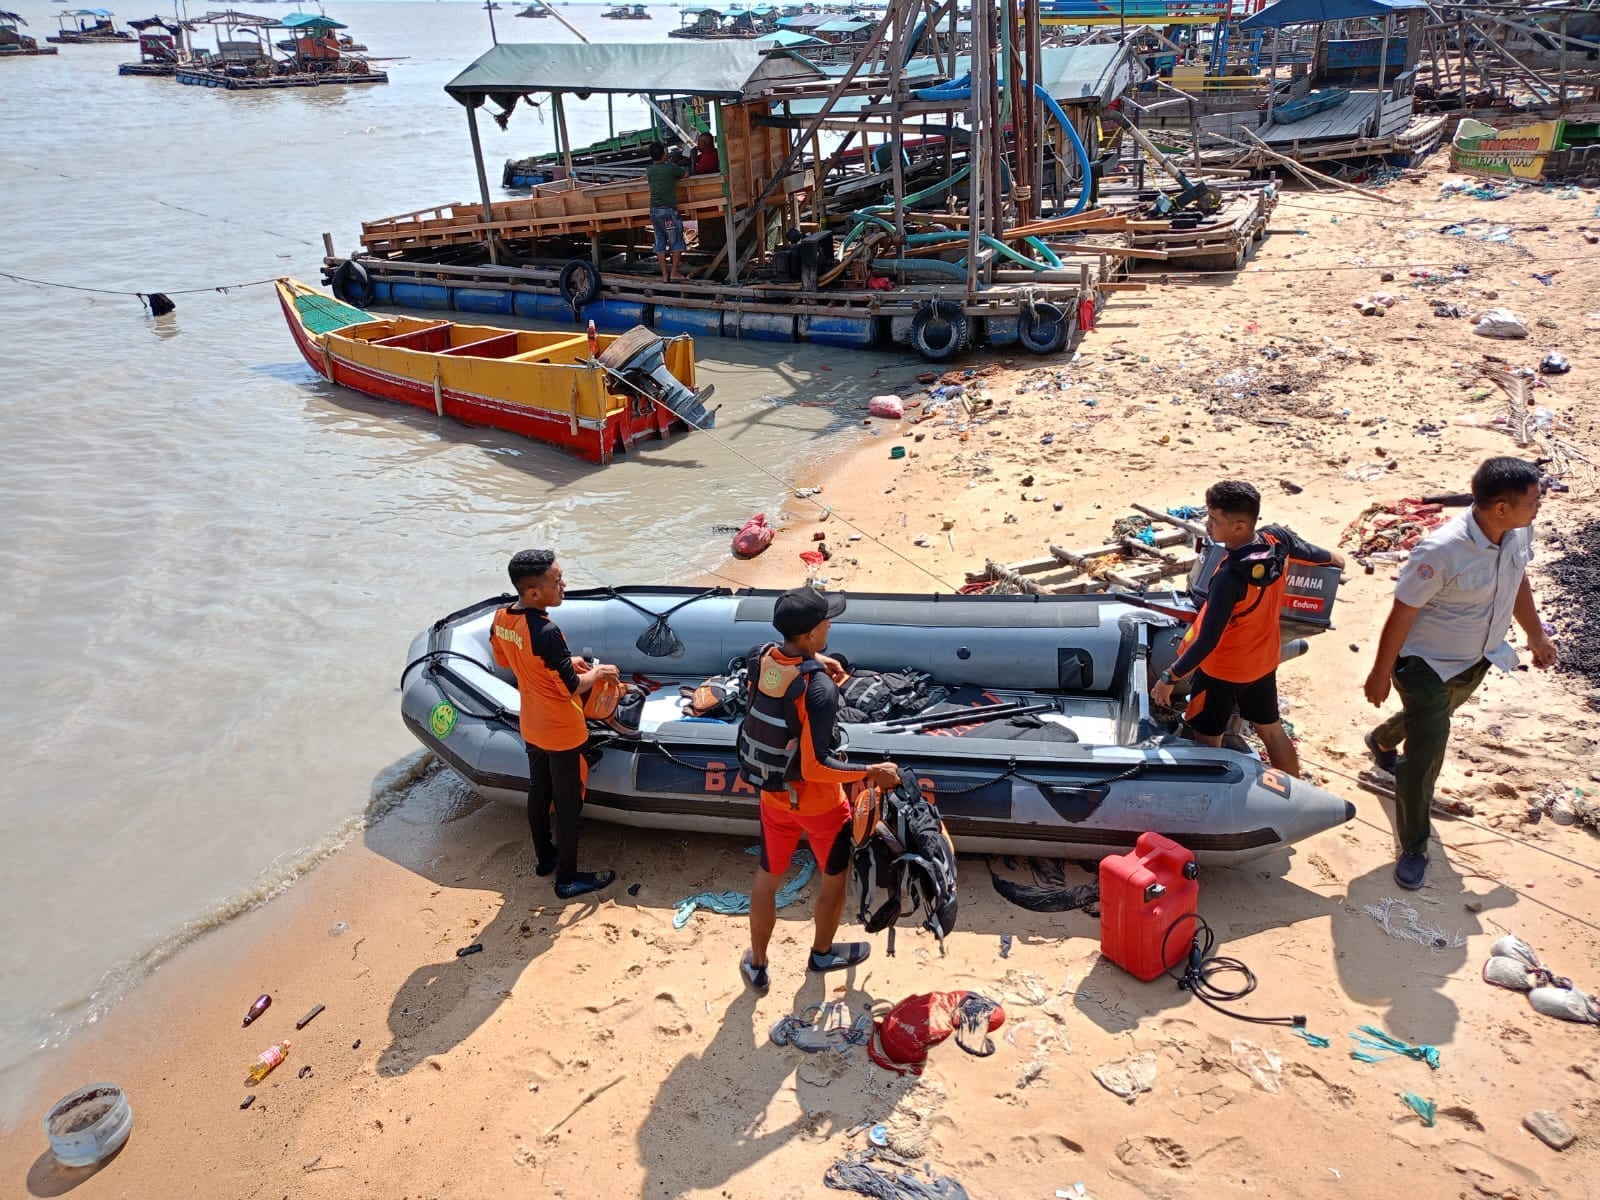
column 536, row 306
column 614, row 314
column 760, row 327
column 421, row 295
column 484, row 300
column 853, row 333
column 697, row 321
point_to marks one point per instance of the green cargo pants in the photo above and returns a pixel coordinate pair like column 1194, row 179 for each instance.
column 1423, row 724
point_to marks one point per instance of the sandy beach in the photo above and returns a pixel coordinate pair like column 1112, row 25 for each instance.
column 593, row 1049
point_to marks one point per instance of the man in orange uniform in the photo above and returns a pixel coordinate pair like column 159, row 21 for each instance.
column 526, row 641
column 786, row 750
column 1233, row 647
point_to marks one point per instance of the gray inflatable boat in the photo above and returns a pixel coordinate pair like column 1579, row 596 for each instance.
column 1044, row 746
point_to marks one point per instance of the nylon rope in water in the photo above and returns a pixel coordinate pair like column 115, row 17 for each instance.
column 74, row 287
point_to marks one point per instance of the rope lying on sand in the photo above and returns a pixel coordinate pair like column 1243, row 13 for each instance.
column 735, row 904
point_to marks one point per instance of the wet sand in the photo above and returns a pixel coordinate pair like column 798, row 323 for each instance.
column 467, row 1068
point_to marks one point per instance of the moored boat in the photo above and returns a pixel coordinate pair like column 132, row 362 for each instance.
column 87, row 27
column 16, row 44
column 1044, row 743
column 1309, row 105
column 554, row 387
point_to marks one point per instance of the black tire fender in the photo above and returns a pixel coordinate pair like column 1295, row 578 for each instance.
column 353, row 285
column 580, row 283
column 1042, row 327
column 939, row 330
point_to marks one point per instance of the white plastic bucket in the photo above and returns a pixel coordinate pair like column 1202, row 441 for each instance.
column 89, row 1124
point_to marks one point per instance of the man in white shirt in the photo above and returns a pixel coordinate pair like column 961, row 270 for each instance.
column 1454, row 601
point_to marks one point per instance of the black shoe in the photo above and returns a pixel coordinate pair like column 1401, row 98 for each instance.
column 754, row 976
column 839, row 956
column 545, row 861
column 585, row 882
column 1385, row 759
column 1411, row 870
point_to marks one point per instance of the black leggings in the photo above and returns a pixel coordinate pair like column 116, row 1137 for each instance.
column 555, row 782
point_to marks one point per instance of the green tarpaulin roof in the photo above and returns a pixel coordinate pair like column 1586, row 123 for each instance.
column 300, row 20
column 718, row 69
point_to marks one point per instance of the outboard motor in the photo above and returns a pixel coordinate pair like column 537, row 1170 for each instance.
column 638, row 358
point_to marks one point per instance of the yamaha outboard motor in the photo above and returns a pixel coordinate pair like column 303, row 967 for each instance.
column 638, row 358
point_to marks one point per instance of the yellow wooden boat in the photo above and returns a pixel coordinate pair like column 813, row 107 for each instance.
column 593, row 395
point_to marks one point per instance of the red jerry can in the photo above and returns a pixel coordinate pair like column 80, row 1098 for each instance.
column 1142, row 894
column 1086, row 314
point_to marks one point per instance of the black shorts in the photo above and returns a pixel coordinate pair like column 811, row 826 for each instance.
column 1212, row 701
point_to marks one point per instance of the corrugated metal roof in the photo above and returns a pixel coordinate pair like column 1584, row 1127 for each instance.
column 1098, row 73
column 712, row 68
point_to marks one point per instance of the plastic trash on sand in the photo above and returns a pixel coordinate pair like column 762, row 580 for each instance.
column 754, row 537
column 1500, row 323
column 88, row 1125
column 891, row 407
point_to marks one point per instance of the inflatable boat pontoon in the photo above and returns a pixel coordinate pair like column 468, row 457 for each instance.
column 1055, row 754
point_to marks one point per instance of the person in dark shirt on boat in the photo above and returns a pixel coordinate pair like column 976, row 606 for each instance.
column 1232, row 649
column 663, row 176
column 551, row 684
column 705, row 160
column 786, row 749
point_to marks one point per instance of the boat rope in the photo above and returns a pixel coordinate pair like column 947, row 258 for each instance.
column 430, row 659
column 734, row 903
column 1461, row 821
column 788, row 485
column 143, row 297
column 1521, row 893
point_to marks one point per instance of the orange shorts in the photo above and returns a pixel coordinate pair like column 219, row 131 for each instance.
column 827, row 831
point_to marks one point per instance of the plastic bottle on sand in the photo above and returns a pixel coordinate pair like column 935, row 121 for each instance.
column 269, row 1058
column 263, row 1002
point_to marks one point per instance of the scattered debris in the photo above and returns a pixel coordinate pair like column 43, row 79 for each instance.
column 1500, row 323
column 1400, row 920
column 1549, row 1128
column 1128, row 1077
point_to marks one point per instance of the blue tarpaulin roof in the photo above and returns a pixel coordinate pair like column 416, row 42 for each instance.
column 791, row 37
column 1315, row 12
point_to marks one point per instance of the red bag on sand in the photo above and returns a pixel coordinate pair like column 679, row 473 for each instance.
column 755, row 537
column 902, row 1037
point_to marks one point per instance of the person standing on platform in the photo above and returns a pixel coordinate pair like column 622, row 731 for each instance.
column 663, row 176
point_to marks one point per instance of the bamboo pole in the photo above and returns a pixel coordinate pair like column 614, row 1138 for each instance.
column 1340, row 183
column 1383, row 64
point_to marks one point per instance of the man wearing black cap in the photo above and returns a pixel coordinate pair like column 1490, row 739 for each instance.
column 786, row 750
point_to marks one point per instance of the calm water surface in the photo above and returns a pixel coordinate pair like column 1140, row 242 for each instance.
column 212, row 561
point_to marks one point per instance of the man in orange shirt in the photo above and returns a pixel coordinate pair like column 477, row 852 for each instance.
column 786, row 750
column 526, row 641
column 1232, row 649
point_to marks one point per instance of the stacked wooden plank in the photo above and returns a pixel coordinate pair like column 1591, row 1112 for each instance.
column 1126, row 563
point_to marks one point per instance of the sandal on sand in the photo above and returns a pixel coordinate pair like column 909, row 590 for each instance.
column 755, row 976
column 839, row 956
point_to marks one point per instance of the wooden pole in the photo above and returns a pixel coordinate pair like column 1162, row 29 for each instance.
column 730, row 227
column 483, row 179
column 561, row 135
column 900, row 46
column 975, row 172
column 1383, row 66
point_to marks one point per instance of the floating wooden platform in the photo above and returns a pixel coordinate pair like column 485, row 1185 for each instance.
column 239, row 82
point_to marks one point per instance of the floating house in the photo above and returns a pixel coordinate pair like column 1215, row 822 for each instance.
column 163, row 45
column 88, row 27
column 244, row 59
column 891, row 200
column 16, row 44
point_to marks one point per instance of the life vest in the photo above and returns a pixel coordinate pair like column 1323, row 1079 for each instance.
column 769, row 734
column 901, row 846
column 1250, row 646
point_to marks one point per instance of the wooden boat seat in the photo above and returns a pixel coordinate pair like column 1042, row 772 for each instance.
column 578, row 341
column 502, row 345
column 428, row 338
